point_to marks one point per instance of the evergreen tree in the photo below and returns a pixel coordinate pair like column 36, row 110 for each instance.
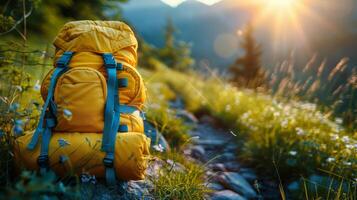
column 247, row 70
column 174, row 54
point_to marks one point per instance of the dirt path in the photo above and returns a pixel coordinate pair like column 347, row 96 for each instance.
column 217, row 148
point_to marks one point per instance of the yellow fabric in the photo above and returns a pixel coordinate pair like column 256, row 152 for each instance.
column 83, row 91
column 83, row 154
column 88, row 39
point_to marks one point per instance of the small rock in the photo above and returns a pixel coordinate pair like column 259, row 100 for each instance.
column 228, row 156
column 217, row 167
column 208, row 119
column 140, row 190
column 198, row 152
column 215, row 186
column 248, row 174
column 232, row 166
column 237, row 183
column 226, row 195
column 212, row 144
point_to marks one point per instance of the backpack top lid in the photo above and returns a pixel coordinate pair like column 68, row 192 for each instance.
column 98, row 37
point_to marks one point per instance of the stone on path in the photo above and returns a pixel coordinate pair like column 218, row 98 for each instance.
column 248, row 174
column 226, row 195
column 198, row 152
column 237, row 183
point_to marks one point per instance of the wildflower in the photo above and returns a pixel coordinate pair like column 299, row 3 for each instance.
column 37, row 86
column 349, row 146
column 228, row 107
column 345, row 139
column 293, row 153
column 170, row 162
column 18, row 87
column 347, row 163
column 158, row 148
column 61, row 187
column 62, row 142
column 299, row 131
column 63, row 159
column 19, row 122
column 334, row 137
column 67, row 114
column 284, row 123
column 18, row 130
column 13, row 107
column 338, row 120
column 245, row 115
column 330, row 159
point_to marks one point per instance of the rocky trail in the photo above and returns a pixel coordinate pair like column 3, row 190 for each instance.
column 211, row 146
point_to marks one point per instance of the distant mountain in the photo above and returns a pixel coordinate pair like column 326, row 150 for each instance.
column 202, row 25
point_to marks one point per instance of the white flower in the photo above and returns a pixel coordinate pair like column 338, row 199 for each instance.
column 158, row 148
column 299, row 131
column 37, row 86
column 334, row 137
column 284, row 123
column 349, row 146
column 345, row 139
column 330, row 159
column 347, row 163
column 245, row 115
column 338, row 120
column 228, row 107
column 293, row 153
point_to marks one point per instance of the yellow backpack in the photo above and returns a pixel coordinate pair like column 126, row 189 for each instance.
column 92, row 118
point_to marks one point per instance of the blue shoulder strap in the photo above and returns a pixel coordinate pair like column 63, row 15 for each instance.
column 111, row 117
column 61, row 67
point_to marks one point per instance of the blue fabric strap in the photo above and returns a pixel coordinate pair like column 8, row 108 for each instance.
column 111, row 117
column 43, row 160
column 110, row 65
column 59, row 70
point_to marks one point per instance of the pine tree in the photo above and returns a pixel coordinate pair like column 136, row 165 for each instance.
column 247, row 70
column 174, row 54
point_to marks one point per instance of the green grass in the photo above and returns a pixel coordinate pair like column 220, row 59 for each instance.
column 299, row 138
column 184, row 183
column 158, row 111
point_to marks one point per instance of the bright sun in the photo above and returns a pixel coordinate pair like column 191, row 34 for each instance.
column 283, row 18
column 281, row 4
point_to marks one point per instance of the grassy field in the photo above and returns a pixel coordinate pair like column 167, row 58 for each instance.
column 287, row 141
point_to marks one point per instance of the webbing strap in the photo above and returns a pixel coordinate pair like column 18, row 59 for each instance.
column 60, row 69
column 43, row 160
column 110, row 65
column 111, row 118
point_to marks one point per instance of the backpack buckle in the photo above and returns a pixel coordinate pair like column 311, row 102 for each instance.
column 109, row 60
column 43, row 161
column 108, row 162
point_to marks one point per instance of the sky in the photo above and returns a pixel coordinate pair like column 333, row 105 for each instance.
column 175, row 3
